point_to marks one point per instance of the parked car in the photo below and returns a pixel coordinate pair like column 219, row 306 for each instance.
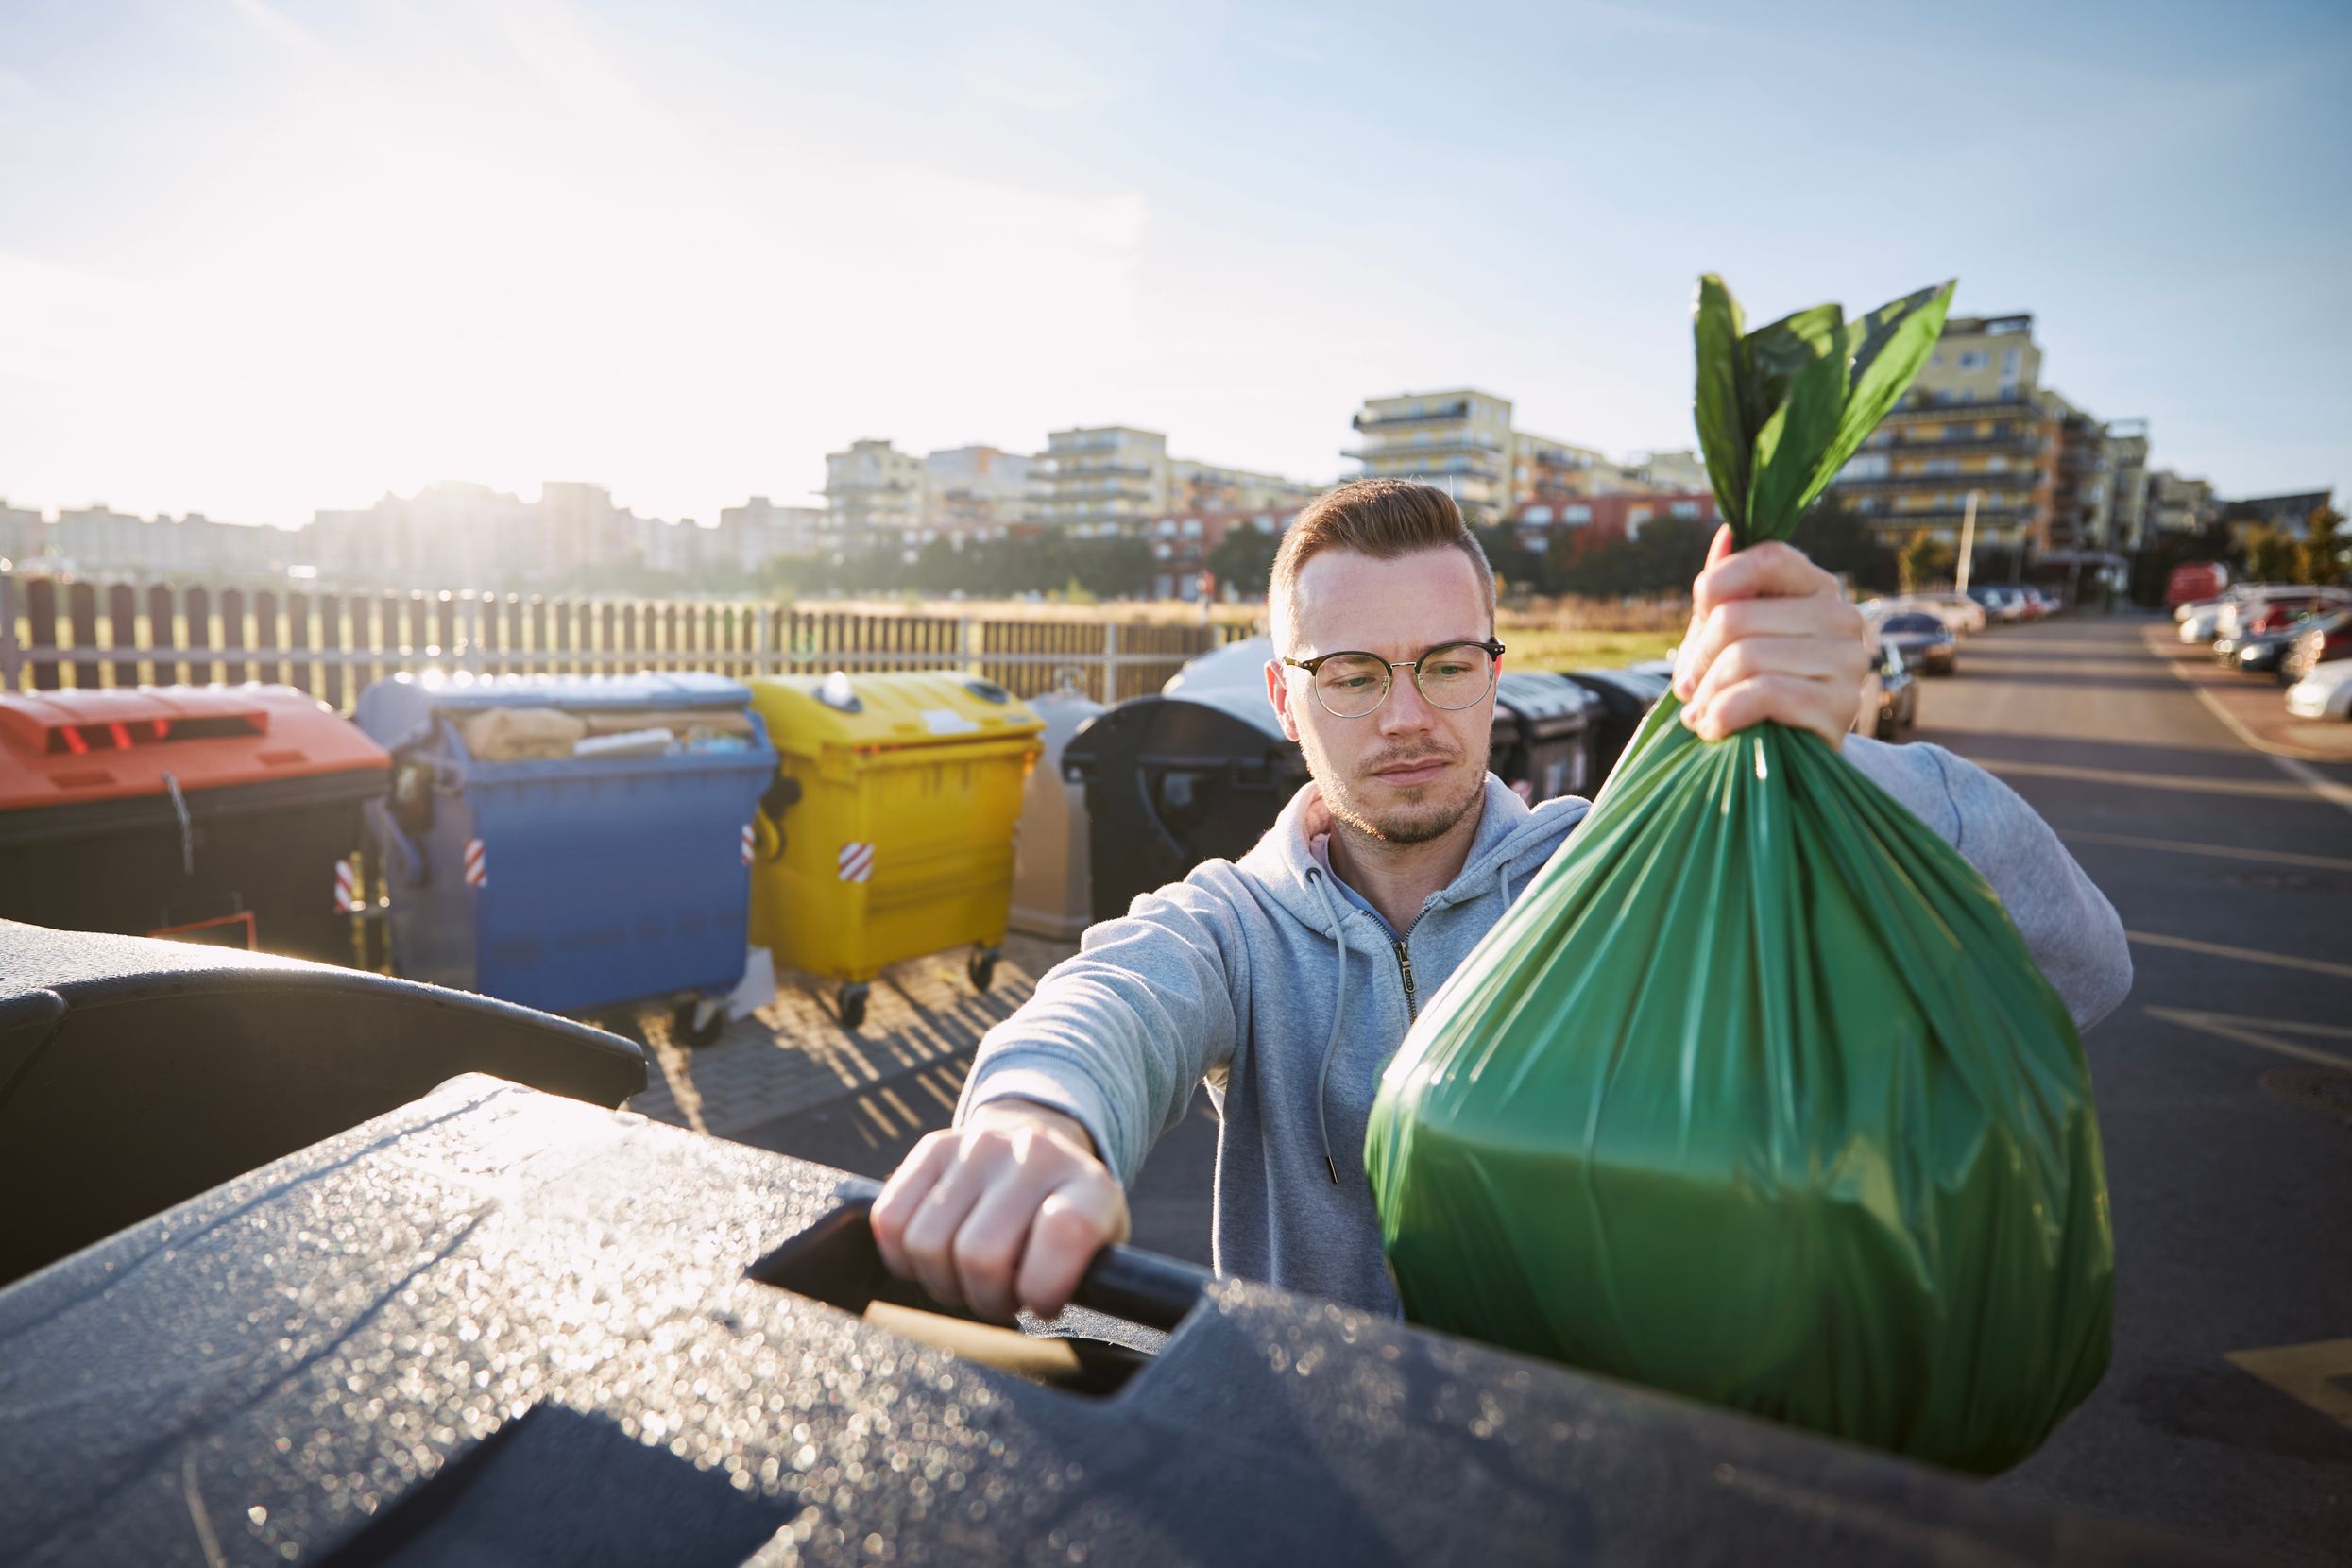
column 1960, row 611
column 2039, row 603
column 1924, row 641
column 2237, row 617
column 2257, row 653
column 2001, row 602
column 1899, row 704
column 2316, row 646
column 2325, row 693
column 2205, row 622
column 2194, row 580
column 2262, row 620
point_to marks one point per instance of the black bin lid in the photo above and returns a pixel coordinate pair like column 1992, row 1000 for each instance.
column 476, row 1330
column 1547, row 706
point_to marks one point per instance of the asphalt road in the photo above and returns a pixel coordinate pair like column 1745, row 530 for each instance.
column 2224, row 1085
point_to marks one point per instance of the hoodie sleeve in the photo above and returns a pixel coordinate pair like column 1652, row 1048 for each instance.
column 2068, row 924
column 1117, row 1036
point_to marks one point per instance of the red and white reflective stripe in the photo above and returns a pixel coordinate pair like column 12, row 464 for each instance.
column 477, row 864
column 747, row 844
column 346, row 886
column 856, row 862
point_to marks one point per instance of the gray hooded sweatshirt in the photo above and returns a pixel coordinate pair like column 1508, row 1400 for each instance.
column 1268, row 984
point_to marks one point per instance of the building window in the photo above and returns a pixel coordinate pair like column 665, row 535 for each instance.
column 1635, row 516
column 1575, row 514
column 1972, row 360
column 1536, row 514
column 1683, row 509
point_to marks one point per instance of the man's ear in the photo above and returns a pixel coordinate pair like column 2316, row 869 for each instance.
column 1278, row 692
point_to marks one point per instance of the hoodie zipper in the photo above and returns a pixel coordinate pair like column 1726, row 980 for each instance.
column 1404, row 965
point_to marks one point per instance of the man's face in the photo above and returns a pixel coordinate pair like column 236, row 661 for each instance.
column 1406, row 772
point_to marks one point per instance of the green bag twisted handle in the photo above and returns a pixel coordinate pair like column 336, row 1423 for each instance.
column 1781, row 409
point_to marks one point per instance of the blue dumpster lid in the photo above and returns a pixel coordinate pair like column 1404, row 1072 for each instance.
column 400, row 711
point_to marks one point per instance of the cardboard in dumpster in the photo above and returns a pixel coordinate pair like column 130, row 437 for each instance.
column 521, row 734
column 495, row 1325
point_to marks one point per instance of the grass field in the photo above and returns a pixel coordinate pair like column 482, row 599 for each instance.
column 1537, row 648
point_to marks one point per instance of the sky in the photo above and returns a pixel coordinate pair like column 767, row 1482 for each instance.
column 260, row 257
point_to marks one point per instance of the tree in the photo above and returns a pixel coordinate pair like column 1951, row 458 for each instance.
column 1925, row 561
column 2322, row 547
column 1662, row 558
column 2273, row 556
column 1514, row 563
column 1841, row 542
column 1245, row 558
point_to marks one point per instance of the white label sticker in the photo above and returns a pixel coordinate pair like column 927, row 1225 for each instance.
column 947, row 721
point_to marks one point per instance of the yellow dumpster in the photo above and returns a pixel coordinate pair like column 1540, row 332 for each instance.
column 889, row 830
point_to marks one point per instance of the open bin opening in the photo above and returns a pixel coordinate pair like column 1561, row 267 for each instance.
column 1135, row 1295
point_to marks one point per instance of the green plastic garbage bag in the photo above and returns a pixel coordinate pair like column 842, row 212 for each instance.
column 1756, row 1095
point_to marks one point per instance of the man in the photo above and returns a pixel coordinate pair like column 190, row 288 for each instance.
column 1286, row 981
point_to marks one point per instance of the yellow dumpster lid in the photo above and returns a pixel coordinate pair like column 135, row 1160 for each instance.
column 807, row 713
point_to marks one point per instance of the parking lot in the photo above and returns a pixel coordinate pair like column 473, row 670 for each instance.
column 2221, row 832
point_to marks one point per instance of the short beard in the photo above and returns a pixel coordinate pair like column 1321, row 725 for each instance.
column 1432, row 820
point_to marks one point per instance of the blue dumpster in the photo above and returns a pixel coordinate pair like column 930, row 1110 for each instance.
column 571, row 843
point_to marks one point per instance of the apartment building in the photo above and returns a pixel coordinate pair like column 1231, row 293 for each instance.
column 1578, row 525
column 750, row 536
column 2127, row 483
column 1459, row 440
column 1975, row 420
column 1197, row 486
column 24, row 532
column 1182, row 543
column 2177, row 503
column 99, row 538
column 1104, row 479
column 975, row 493
column 875, row 486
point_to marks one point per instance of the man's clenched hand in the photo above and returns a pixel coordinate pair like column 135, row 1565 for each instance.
column 1771, row 637
column 1004, row 1212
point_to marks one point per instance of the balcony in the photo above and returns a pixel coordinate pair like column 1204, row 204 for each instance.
column 1398, row 450
column 1439, row 415
column 2014, row 441
column 1410, row 466
column 1917, row 413
column 2014, row 479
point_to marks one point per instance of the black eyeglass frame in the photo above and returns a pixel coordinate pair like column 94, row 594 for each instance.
column 1494, row 651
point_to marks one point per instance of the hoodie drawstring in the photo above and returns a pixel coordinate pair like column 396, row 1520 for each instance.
column 1339, row 1009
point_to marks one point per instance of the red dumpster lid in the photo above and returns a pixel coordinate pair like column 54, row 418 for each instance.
column 63, row 746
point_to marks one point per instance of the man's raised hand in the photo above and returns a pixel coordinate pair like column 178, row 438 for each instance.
column 1001, row 1213
column 1771, row 637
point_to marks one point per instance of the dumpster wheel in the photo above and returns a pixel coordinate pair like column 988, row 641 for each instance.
column 698, row 1021
column 980, row 968
column 853, row 1004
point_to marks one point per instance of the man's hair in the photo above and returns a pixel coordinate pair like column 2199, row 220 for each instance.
column 1380, row 517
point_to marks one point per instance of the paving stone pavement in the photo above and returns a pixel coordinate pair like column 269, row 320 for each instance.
column 796, row 1054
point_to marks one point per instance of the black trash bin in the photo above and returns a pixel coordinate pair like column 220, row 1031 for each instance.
column 1555, row 736
column 135, row 1074
column 219, row 814
column 1625, row 696
column 1172, row 781
column 475, row 1329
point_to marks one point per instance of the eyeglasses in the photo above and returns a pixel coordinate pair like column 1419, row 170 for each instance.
column 1451, row 675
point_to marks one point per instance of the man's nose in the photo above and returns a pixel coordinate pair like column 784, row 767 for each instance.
column 1407, row 710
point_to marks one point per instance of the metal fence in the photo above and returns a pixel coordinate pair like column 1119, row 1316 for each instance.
column 66, row 633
